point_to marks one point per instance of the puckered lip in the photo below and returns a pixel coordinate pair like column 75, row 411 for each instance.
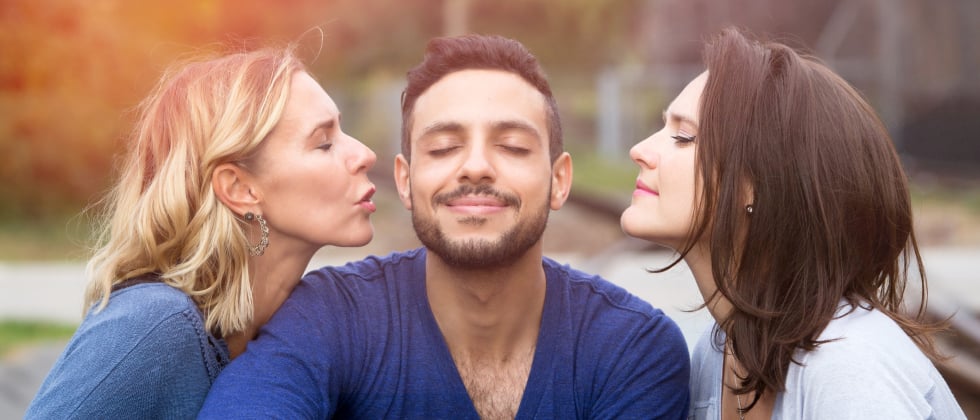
column 367, row 196
column 640, row 186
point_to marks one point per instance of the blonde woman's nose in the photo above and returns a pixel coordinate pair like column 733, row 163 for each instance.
column 363, row 158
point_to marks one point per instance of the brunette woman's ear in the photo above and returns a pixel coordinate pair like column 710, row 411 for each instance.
column 234, row 188
column 749, row 193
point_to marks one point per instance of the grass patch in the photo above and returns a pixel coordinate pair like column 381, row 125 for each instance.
column 966, row 197
column 14, row 333
column 594, row 174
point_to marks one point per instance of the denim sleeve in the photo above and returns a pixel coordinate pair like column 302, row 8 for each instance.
column 112, row 370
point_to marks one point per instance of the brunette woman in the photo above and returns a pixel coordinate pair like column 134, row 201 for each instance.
column 780, row 188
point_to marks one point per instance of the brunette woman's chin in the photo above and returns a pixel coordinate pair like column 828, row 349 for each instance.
column 633, row 225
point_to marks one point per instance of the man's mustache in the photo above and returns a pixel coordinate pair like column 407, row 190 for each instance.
column 481, row 189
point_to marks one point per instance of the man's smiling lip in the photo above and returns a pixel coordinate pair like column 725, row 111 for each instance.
column 476, row 205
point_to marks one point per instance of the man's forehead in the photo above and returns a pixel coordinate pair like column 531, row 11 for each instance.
column 478, row 95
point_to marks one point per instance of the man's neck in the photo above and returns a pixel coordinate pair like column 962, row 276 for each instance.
column 490, row 320
column 487, row 312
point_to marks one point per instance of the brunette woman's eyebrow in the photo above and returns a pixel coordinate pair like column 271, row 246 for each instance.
column 672, row 116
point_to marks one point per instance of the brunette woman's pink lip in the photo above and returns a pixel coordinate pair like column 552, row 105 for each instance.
column 642, row 189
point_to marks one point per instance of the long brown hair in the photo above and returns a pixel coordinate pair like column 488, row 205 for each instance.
column 831, row 215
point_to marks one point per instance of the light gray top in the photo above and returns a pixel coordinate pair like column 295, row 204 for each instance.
column 873, row 371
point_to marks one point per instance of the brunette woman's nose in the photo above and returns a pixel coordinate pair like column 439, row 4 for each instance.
column 643, row 153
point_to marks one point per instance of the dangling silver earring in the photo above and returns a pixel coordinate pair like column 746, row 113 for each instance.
column 749, row 209
column 259, row 248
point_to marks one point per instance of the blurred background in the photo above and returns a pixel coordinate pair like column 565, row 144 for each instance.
column 72, row 72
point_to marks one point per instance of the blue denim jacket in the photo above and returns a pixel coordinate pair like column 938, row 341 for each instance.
column 146, row 355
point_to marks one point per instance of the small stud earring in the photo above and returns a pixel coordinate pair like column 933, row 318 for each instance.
column 749, row 209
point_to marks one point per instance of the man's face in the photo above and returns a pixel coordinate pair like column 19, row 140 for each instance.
column 480, row 184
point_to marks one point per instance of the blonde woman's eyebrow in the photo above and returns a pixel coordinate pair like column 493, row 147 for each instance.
column 325, row 125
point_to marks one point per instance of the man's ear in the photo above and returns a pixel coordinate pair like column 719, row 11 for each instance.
column 561, row 180
column 402, row 177
column 233, row 188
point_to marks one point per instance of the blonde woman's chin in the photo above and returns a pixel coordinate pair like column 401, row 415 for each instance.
column 359, row 236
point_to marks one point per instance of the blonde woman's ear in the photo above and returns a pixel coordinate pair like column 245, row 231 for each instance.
column 232, row 187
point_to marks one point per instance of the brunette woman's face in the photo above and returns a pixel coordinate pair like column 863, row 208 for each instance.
column 662, row 208
column 313, row 176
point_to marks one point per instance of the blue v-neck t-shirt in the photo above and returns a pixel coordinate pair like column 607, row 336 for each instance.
column 360, row 341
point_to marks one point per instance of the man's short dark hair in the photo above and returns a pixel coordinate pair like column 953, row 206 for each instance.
column 447, row 55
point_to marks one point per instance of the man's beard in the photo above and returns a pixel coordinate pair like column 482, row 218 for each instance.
column 474, row 254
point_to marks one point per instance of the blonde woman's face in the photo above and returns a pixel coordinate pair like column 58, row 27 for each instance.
column 312, row 176
column 662, row 208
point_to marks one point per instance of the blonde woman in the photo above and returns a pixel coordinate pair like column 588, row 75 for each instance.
column 238, row 172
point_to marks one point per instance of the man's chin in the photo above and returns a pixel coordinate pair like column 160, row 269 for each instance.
column 471, row 254
column 483, row 248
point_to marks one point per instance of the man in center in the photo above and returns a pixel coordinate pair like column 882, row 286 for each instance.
column 477, row 323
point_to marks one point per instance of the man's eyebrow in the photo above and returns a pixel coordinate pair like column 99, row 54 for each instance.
column 441, row 127
column 515, row 125
column 496, row 126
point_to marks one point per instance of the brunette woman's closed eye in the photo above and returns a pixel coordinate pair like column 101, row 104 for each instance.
column 683, row 139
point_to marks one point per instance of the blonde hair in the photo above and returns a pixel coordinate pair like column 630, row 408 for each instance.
column 162, row 216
